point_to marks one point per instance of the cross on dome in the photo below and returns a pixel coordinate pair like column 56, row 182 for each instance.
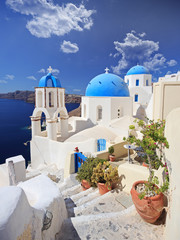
column 106, row 70
column 50, row 69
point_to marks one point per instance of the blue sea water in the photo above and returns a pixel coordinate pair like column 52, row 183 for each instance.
column 14, row 119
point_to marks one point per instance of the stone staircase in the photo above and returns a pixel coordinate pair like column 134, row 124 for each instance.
column 111, row 216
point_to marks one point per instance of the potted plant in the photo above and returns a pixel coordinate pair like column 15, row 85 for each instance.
column 76, row 149
column 146, row 195
column 111, row 155
column 85, row 172
column 104, row 175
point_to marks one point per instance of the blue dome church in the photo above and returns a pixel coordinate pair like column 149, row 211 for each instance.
column 107, row 97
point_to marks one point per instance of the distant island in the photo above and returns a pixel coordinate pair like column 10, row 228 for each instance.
column 29, row 96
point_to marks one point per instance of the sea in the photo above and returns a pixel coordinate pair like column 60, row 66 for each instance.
column 14, row 131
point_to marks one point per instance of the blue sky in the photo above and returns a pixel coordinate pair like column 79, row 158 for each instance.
column 79, row 39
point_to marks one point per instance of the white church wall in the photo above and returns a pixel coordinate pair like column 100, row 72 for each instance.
column 141, row 77
column 92, row 109
column 45, row 151
column 121, row 106
column 144, row 94
column 172, row 133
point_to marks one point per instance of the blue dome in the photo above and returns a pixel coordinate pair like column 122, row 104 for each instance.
column 137, row 70
column 55, row 82
column 107, row 85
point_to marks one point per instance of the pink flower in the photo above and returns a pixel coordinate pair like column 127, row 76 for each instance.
column 154, row 143
column 166, row 173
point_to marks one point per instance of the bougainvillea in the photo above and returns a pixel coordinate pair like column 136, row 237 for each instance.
column 153, row 144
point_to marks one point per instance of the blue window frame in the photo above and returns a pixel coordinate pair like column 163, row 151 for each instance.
column 137, row 82
column 136, row 98
column 147, row 83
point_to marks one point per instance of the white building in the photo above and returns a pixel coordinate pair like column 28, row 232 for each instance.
column 139, row 81
column 107, row 97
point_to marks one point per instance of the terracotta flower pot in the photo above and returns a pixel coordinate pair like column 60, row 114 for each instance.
column 145, row 165
column 149, row 208
column 85, row 185
column 103, row 188
column 112, row 158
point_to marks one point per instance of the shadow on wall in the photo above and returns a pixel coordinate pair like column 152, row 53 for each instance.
column 141, row 113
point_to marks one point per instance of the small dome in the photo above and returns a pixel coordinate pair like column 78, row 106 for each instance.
column 137, row 70
column 55, row 82
column 107, row 85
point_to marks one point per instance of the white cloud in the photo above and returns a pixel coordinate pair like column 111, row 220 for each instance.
column 135, row 50
column 9, row 77
column 52, row 19
column 168, row 72
column 42, row 70
column 172, row 63
column 32, row 78
column 76, row 90
column 55, row 71
column 68, row 47
column 3, row 81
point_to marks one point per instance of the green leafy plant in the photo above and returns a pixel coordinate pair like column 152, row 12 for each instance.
column 153, row 144
column 111, row 150
column 86, row 170
column 105, row 173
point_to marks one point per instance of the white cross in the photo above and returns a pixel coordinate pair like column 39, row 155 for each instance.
column 50, row 69
column 106, row 70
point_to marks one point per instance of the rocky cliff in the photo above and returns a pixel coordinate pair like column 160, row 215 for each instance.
column 29, row 96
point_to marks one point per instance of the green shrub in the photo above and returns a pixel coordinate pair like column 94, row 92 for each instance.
column 86, row 170
column 111, row 150
column 105, row 173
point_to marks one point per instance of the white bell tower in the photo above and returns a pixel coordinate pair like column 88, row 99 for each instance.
column 50, row 104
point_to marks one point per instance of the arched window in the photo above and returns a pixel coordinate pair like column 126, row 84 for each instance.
column 99, row 113
column 84, row 110
column 128, row 82
column 51, row 99
column 136, row 97
column 39, row 99
column 147, row 83
column 137, row 82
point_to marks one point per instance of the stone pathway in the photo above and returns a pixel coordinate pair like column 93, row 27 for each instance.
column 108, row 217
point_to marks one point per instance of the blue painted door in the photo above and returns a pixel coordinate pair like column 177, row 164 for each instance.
column 79, row 160
column 101, row 145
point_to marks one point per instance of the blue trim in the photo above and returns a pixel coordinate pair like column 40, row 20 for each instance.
column 136, row 98
column 101, row 145
column 137, row 82
column 79, row 160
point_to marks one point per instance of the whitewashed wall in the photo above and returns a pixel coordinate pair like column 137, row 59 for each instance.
column 45, row 151
column 23, row 209
column 172, row 132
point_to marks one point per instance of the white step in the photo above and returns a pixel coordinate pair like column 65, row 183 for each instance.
column 122, row 225
column 103, row 204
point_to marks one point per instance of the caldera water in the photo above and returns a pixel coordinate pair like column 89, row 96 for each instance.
column 14, row 132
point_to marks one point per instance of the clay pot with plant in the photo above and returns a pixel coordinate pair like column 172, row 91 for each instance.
column 104, row 175
column 111, row 155
column 76, row 149
column 148, row 196
column 85, row 172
